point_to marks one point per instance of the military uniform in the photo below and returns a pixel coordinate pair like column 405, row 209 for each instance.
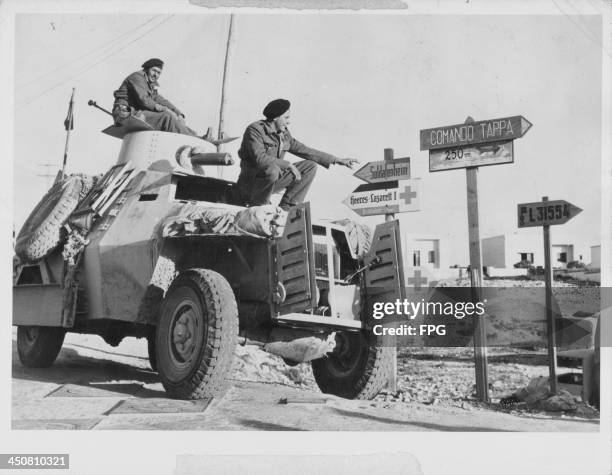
column 264, row 171
column 137, row 96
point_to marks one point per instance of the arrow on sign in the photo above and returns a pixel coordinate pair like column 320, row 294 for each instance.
column 384, row 198
column 494, row 153
column 484, row 131
column 385, row 170
column 545, row 213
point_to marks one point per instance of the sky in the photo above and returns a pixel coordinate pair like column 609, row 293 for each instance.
column 358, row 84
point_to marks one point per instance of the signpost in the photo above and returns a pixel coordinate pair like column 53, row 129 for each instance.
column 494, row 153
column 471, row 145
column 384, row 198
column 390, row 216
column 475, row 271
column 468, row 133
column 385, row 170
column 388, row 190
column 547, row 213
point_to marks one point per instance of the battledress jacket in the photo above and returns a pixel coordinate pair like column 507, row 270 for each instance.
column 263, row 146
column 136, row 91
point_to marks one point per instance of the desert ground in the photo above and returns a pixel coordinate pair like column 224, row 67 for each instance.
column 95, row 386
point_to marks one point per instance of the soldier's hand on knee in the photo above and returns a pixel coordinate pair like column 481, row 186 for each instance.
column 347, row 162
column 160, row 108
column 296, row 172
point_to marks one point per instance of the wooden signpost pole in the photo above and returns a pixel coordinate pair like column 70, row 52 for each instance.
column 392, row 383
column 546, row 214
column 388, row 190
column 480, row 335
column 550, row 318
column 471, row 145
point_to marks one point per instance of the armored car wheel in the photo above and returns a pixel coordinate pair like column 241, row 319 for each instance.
column 42, row 231
column 38, row 347
column 354, row 370
column 197, row 335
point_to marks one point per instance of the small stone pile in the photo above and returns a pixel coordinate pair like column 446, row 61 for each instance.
column 537, row 395
column 253, row 364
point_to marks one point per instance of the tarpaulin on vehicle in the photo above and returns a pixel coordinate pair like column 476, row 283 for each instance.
column 256, row 221
column 359, row 236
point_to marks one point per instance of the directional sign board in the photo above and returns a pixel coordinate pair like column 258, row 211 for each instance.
column 484, row 131
column 545, row 213
column 478, row 155
column 385, row 170
column 384, row 198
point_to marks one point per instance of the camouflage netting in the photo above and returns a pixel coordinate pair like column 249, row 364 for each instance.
column 196, row 218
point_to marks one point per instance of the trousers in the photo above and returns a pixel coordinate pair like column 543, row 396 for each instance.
column 256, row 186
column 167, row 122
column 164, row 121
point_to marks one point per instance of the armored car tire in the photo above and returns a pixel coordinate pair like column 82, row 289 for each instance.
column 354, row 370
column 42, row 231
column 38, row 347
column 197, row 335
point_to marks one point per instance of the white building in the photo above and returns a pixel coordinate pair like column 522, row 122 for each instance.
column 427, row 252
column 505, row 250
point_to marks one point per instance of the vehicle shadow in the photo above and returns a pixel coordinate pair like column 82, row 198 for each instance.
column 527, row 358
column 71, row 368
column 260, row 425
column 424, row 425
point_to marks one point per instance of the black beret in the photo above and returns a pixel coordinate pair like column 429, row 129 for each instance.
column 152, row 63
column 276, row 108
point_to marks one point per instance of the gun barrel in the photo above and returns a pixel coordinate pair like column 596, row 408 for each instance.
column 212, row 159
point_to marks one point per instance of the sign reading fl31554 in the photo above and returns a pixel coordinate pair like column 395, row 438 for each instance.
column 545, row 213
column 484, row 131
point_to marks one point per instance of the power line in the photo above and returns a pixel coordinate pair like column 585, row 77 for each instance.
column 89, row 53
column 55, row 86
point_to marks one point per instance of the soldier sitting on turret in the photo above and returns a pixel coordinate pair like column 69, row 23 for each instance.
column 137, row 96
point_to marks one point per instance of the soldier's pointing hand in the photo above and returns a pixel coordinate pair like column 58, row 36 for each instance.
column 347, row 162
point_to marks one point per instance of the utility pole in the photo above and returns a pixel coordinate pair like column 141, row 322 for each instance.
column 228, row 51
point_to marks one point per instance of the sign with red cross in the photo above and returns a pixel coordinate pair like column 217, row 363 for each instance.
column 385, row 198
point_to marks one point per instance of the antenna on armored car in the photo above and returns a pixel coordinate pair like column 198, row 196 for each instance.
column 95, row 104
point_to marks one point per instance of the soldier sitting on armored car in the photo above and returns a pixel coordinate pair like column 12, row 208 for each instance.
column 137, row 96
column 263, row 171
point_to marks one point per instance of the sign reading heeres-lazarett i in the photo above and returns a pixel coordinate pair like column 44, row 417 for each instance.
column 384, row 198
column 483, row 131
